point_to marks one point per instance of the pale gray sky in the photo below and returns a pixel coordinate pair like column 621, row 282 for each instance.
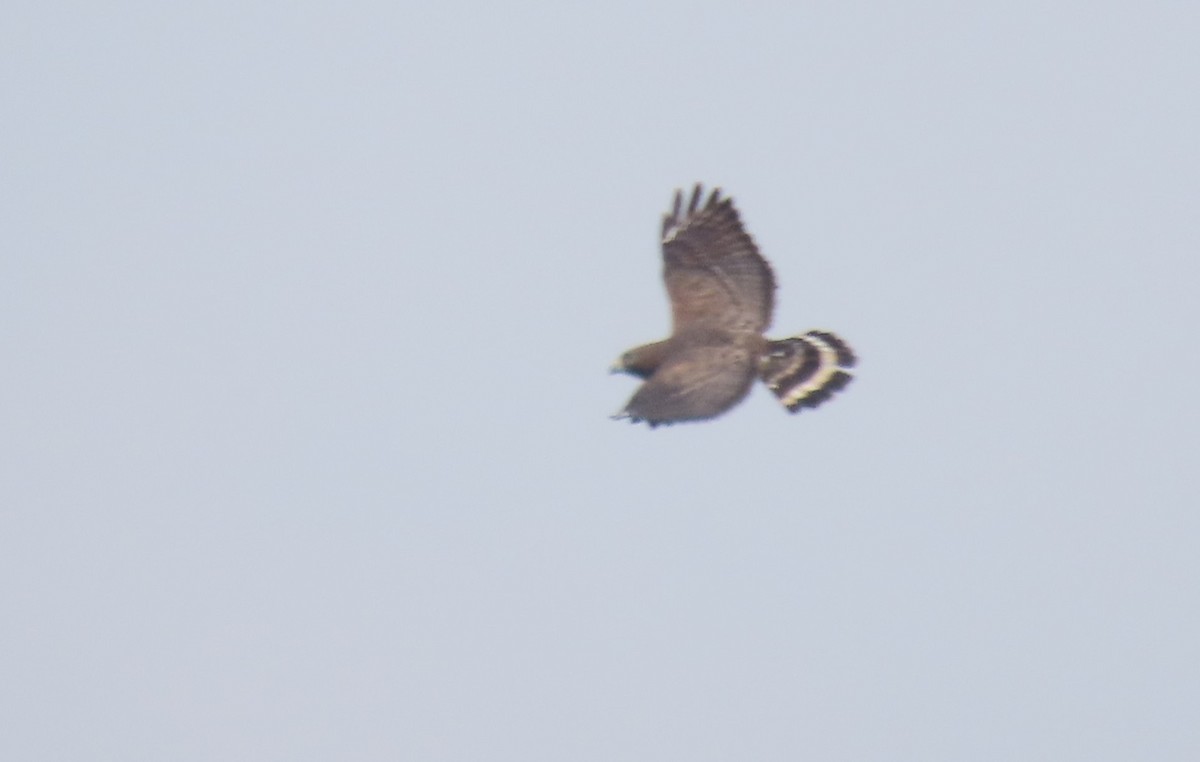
column 307, row 310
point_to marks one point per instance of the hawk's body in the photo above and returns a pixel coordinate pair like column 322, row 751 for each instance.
column 722, row 294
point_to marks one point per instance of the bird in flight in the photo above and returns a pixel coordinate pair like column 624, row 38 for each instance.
column 722, row 293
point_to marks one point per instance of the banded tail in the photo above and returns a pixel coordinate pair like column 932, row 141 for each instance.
column 804, row 371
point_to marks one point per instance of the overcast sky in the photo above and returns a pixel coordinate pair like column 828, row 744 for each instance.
column 306, row 312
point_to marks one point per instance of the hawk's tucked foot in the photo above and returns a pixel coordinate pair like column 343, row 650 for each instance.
column 804, row 371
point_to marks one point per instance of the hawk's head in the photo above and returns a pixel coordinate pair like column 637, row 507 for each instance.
column 641, row 361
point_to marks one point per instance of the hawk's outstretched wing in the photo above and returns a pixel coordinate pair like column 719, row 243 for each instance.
column 715, row 276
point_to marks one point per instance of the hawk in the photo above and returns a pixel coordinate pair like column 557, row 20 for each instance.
column 722, row 293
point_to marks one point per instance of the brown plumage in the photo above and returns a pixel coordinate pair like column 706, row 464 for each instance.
column 722, row 294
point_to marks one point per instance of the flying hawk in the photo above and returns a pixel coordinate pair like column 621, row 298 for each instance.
column 722, row 293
